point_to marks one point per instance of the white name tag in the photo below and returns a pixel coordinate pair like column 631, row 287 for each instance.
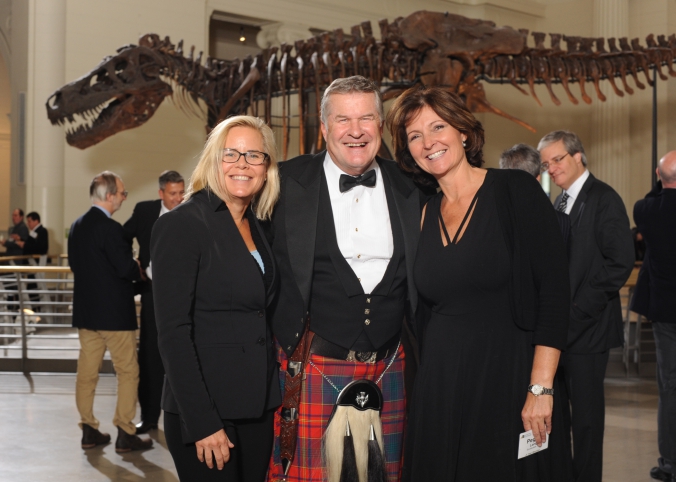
column 527, row 445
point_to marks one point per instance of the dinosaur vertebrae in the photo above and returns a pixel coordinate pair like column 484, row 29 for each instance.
column 584, row 60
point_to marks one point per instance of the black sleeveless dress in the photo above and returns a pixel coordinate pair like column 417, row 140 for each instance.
column 470, row 388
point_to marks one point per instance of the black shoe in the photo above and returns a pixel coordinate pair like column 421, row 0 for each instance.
column 145, row 427
column 126, row 442
column 91, row 437
column 659, row 474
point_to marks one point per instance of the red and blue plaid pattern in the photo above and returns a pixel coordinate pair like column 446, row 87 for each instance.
column 317, row 401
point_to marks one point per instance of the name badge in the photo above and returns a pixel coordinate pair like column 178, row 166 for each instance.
column 527, row 445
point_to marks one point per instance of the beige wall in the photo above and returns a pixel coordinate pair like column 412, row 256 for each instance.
column 171, row 140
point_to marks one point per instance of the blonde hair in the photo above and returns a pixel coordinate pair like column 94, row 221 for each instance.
column 208, row 172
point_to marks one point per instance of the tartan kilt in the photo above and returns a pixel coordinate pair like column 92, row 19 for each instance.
column 318, row 398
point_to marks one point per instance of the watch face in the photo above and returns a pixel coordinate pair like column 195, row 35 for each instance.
column 537, row 389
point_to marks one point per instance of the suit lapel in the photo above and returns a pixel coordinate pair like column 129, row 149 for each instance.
column 267, row 247
column 407, row 204
column 580, row 202
column 302, row 204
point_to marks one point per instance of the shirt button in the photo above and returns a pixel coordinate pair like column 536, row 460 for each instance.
column 260, row 314
column 296, row 335
column 356, row 200
column 367, row 322
column 288, row 347
column 356, row 229
column 358, row 256
column 368, row 300
column 367, row 311
column 261, row 341
column 359, row 279
column 301, row 320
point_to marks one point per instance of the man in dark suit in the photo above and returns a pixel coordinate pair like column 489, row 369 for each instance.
column 140, row 226
column 104, row 312
column 655, row 298
column 345, row 233
column 37, row 241
column 18, row 232
column 527, row 158
column 601, row 257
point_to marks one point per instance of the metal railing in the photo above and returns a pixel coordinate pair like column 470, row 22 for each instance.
column 36, row 310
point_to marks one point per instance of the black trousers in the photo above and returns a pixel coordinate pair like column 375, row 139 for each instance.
column 665, row 345
column 248, row 459
column 580, row 378
column 151, row 369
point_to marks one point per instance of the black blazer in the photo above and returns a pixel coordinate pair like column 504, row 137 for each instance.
column 293, row 232
column 210, row 307
column 601, row 260
column 104, row 270
column 655, row 292
column 39, row 244
column 140, row 226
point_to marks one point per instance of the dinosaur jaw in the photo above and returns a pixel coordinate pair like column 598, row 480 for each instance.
column 92, row 124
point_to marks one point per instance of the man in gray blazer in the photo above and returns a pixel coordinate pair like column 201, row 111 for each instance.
column 601, row 256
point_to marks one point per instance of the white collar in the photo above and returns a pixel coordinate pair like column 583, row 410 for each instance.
column 163, row 209
column 574, row 190
column 35, row 228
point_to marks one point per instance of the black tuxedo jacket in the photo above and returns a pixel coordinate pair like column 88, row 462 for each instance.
column 140, row 226
column 601, row 259
column 104, row 270
column 655, row 292
column 293, row 232
column 210, row 309
column 39, row 244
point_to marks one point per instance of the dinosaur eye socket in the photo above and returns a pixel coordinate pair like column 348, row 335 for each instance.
column 120, row 66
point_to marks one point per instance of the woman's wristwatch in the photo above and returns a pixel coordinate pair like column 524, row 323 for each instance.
column 538, row 390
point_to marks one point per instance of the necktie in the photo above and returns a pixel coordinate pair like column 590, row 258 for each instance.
column 367, row 179
column 564, row 203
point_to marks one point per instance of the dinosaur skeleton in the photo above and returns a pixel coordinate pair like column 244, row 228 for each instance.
column 431, row 48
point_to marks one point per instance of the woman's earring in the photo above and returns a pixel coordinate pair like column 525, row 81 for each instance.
column 464, row 144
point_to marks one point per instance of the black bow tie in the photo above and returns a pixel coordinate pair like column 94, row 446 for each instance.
column 367, row 179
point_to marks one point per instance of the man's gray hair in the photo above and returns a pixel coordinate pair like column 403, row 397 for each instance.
column 103, row 184
column 523, row 157
column 169, row 176
column 352, row 85
column 571, row 143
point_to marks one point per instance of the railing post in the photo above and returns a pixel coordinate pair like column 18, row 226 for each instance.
column 22, row 314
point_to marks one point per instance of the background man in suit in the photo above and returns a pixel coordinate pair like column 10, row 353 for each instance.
column 655, row 218
column 17, row 232
column 37, row 241
column 104, row 311
column 601, row 258
column 345, row 233
column 140, row 226
column 527, row 158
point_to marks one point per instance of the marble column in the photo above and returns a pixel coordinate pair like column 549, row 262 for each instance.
column 609, row 154
column 45, row 143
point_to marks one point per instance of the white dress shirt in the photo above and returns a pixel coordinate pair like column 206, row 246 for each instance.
column 362, row 222
column 574, row 190
column 149, row 269
column 33, row 232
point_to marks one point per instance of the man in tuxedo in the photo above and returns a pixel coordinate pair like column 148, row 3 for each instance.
column 37, row 241
column 104, row 312
column 18, row 232
column 601, row 257
column 655, row 298
column 344, row 235
column 140, row 226
column 527, row 158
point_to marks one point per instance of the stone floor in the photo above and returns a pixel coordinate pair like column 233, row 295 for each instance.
column 40, row 441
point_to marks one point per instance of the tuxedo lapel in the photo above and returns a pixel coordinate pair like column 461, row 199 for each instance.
column 302, row 204
column 407, row 203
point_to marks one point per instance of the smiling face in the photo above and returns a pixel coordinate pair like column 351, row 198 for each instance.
column 568, row 168
column 352, row 131
column 172, row 194
column 435, row 145
column 242, row 180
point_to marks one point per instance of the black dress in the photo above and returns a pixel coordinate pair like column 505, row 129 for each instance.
column 475, row 366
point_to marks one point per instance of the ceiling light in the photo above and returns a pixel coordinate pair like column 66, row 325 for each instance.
column 242, row 38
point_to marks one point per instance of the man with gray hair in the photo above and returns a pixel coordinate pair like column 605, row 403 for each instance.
column 601, row 257
column 655, row 298
column 344, row 233
column 527, row 158
column 140, row 226
column 104, row 312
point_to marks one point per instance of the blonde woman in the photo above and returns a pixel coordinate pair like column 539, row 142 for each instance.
column 213, row 279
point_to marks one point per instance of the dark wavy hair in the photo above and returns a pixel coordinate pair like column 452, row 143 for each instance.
column 447, row 105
